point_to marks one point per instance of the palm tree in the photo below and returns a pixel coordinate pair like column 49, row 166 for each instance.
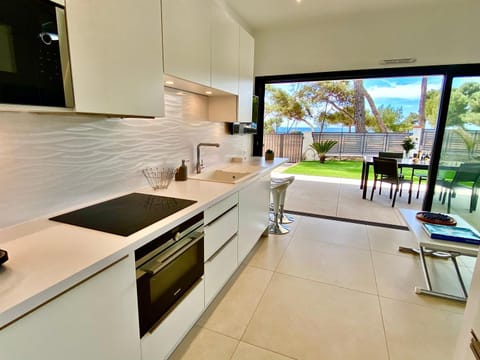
column 323, row 147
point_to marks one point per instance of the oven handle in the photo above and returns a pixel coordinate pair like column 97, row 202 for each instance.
column 170, row 255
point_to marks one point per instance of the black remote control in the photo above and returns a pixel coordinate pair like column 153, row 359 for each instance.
column 3, row 256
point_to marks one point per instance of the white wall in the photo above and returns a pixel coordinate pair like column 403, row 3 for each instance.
column 50, row 163
column 432, row 35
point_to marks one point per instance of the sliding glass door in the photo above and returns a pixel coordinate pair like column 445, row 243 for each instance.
column 457, row 179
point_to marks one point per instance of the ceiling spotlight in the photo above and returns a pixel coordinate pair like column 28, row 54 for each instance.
column 181, row 93
column 169, row 82
column 208, row 92
column 299, row 1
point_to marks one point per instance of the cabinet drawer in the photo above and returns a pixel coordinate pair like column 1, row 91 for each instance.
column 218, row 232
column 219, row 269
column 163, row 340
column 219, row 208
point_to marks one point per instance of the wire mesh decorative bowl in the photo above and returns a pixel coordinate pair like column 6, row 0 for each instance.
column 159, row 178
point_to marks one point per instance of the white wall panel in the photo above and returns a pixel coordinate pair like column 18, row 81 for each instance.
column 50, row 163
column 443, row 34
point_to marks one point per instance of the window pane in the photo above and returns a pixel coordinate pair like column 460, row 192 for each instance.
column 456, row 188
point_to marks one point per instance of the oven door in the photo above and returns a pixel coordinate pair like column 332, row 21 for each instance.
column 163, row 280
column 33, row 54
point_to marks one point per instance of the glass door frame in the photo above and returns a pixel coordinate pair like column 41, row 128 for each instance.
column 448, row 71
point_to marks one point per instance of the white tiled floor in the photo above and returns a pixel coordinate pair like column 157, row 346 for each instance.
column 330, row 290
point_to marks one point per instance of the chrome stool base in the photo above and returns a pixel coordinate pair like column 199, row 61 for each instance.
column 277, row 229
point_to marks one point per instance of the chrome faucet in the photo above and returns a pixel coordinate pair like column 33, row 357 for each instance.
column 199, row 164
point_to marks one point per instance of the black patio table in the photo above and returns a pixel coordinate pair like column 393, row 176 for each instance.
column 402, row 163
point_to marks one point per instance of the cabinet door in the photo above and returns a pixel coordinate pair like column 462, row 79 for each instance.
column 116, row 56
column 95, row 320
column 160, row 342
column 245, row 76
column 186, row 39
column 253, row 202
column 225, row 41
column 219, row 268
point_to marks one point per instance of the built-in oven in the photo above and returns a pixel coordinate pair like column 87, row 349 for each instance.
column 167, row 267
column 34, row 61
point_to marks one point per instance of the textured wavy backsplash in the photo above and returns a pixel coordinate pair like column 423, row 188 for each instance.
column 50, row 163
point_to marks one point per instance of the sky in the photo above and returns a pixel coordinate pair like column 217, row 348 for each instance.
column 401, row 92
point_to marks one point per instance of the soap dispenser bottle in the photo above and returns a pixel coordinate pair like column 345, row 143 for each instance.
column 182, row 172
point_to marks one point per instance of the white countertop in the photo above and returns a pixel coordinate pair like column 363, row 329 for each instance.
column 47, row 258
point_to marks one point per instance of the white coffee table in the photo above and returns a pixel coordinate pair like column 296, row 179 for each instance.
column 453, row 248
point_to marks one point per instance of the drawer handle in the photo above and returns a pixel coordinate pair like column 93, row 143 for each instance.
column 215, row 254
column 219, row 216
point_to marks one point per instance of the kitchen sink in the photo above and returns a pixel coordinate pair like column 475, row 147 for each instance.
column 231, row 174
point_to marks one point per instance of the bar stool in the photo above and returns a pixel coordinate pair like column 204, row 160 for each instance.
column 284, row 218
column 278, row 188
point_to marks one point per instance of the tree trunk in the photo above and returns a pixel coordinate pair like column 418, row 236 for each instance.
column 359, row 107
column 421, row 105
column 376, row 114
column 322, row 158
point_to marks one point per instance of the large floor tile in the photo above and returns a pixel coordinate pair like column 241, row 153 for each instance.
column 308, row 320
column 203, row 344
column 397, row 277
column 269, row 251
column 417, row 332
column 333, row 264
column 333, row 232
column 230, row 313
column 388, row 240
column 302, row 196
column 249, row 352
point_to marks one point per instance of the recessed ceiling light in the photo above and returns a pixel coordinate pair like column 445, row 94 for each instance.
column 181, row 93
column 299, row 1
column 208, row 92
column 169, row 82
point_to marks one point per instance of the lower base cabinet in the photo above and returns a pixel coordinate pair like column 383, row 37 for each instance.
column 96, row 319
column 253, row 203
column 160, row 343
column 219, row 268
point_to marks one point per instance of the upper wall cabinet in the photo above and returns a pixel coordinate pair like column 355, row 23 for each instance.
column 245, row 76
column 225, row 42
column 200, row 43
column 186, row 39
column 116, row 56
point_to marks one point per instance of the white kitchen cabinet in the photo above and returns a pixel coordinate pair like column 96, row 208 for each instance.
column 186, row 39
column 225, row 50
column 160, row 342
column 96, row 319
column 253, row 203
column 116, row 56
column 221, row 227
column 220, row 231
column 245, row 76
column 218, row 269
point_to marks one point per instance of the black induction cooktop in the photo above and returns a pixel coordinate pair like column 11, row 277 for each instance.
column 126, row 214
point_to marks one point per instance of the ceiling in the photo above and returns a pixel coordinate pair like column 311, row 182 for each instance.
column 260, row 14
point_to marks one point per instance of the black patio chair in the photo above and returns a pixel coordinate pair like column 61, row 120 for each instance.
column 390, row 154
column 386, row 170
column 467, row 176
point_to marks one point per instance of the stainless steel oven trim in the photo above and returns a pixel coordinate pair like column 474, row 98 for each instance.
column 162, row 260
column 178, row 236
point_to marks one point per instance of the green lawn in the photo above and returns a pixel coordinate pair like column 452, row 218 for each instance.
column 347, row 169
